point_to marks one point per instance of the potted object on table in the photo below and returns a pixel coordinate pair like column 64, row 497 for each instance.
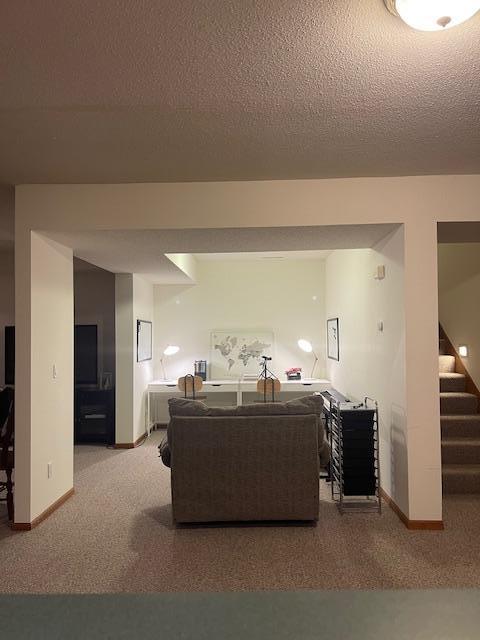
column 294, row 373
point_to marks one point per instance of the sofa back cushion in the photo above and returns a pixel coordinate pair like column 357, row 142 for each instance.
column 185, row 407
column 307, row 405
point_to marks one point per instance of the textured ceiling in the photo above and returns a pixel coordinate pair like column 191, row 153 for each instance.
column 143, row 252
column 175, row 90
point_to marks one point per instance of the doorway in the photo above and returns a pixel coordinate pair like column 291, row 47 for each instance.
column 94, row 354
column 459, row 355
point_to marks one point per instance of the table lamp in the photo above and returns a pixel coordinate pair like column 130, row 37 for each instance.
column 306, row 346
column 171, row 350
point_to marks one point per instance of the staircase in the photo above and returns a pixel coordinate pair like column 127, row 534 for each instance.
column 460, row 424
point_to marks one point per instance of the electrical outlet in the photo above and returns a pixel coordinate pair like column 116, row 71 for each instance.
column 49, row 469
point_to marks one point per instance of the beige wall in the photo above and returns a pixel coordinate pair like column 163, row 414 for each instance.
column 7, row 217
column 124, row 340
column 286, row 297
column 211, row 205
column 417, row 202
column 421, row 373
column 372, row 362
column 45, row 429
column 459, row 299
column 133, row 301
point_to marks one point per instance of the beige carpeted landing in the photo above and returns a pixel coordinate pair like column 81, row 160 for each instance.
column 116, row 534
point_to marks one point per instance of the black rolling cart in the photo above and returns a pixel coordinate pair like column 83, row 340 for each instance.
column 355, row 463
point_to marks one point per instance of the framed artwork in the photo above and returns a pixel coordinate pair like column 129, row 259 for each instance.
column 234, row 353
column 333, row 351
column 144, row 340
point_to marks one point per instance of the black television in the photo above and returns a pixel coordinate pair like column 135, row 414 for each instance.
column 86, row 354
column 10, row 355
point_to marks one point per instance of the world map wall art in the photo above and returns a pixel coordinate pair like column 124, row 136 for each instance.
column 234, row 353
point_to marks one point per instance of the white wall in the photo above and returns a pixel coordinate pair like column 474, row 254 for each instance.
column 94, row 291
column 285, row 296
column 133, row 301
column 49, row 328
column 459, row 299
column 7, row 302
column 372, row 362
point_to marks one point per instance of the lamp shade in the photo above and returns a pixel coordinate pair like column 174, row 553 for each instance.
column 434, row 15
column 171, row 350
column 305, row 345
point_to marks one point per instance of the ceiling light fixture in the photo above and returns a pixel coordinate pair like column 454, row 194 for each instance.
column 433, row 15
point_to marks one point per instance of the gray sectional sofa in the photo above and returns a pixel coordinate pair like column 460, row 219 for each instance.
column 245, row 463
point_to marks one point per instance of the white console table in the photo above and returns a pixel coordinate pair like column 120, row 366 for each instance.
column 236, row 391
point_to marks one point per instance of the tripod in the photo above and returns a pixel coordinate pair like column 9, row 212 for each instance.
column 267, row 378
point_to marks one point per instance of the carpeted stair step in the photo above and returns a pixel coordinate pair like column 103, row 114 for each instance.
column 442, row 343
column 455, row 403
column 446, row 364
column 460, row 426
column 461, row 478
column 452, row 382
column 461, row 451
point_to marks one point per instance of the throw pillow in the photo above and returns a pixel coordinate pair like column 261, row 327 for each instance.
column 184, row 407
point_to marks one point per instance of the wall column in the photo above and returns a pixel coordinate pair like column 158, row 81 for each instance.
column 43, row 374
column 133, row 301
column 124, row 362
column 421, row 360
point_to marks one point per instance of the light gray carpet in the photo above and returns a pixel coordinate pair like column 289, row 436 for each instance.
column 115, row 535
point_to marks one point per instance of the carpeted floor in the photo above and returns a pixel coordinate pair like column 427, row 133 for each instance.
column 116, row 535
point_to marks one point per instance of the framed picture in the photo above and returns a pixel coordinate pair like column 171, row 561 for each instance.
column 333, row 351
column 144, row 340
column 236, row 353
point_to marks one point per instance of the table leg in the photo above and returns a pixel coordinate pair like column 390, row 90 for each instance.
column 148, row 414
